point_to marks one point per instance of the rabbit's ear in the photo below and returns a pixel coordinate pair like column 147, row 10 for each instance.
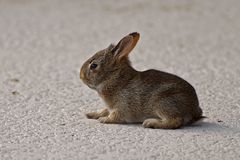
column 125, row 45
column 110, row 48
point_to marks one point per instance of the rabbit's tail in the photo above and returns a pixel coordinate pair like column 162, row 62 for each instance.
column 198, row 119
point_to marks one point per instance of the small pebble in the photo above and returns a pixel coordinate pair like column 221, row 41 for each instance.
column 15, row 80
column 15, row 92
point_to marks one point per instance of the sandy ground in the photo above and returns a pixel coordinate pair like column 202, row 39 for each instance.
column 42, row 101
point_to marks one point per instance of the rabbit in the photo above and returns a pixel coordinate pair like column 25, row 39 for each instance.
column 154, row 98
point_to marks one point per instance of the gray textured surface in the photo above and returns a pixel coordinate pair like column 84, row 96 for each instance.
column 44, row 43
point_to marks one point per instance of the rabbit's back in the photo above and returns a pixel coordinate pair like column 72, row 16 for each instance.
column 152, row 89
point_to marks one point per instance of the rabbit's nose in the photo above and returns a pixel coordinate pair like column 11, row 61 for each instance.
column 81, row 74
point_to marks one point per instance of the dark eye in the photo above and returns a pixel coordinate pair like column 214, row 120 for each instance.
column 93, row 66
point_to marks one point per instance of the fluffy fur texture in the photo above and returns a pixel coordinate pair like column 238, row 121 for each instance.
column 155, row 98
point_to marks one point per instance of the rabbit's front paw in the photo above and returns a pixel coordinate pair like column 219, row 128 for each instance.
column 92, row 115
column 104, row 120
column 96, row 115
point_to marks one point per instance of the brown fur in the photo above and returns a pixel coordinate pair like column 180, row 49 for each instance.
column 154, row 98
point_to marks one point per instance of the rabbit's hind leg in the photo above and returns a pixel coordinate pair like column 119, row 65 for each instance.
column 165, row 121
column 96, row 115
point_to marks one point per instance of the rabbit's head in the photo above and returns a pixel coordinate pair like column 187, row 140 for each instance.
column 105, row 63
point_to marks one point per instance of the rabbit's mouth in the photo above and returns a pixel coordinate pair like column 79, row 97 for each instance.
column 85, row 81
column 91, row 86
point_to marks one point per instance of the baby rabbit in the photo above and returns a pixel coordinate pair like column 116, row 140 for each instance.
column 156, row 98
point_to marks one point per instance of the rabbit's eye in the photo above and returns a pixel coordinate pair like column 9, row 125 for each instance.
column 93, row 66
